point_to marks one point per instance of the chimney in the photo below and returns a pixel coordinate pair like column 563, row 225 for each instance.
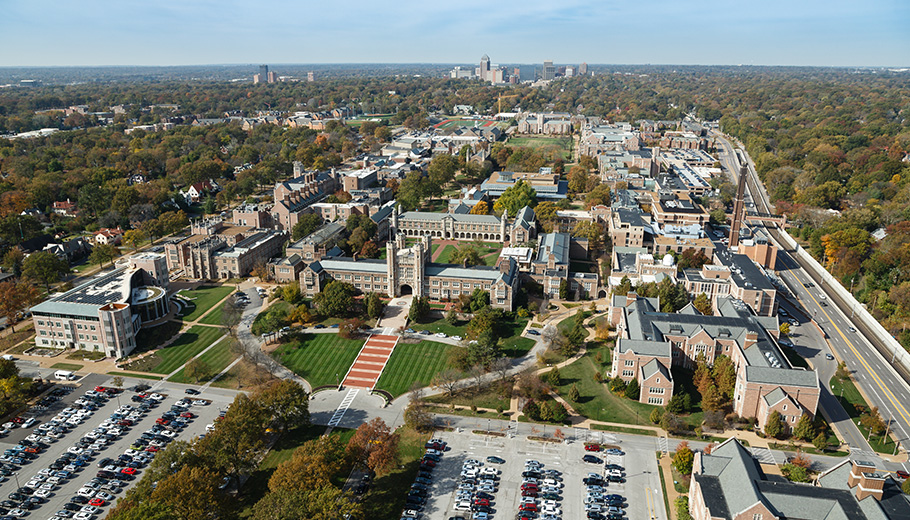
column 751, row 339
column 867, row 480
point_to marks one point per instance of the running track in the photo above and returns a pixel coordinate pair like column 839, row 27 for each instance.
column 367, row 368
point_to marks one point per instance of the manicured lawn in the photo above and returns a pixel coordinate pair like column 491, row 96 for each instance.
column 516, row 346
column 446, row 254
column 216, row 359
column 319, row 357
column 563, row 143
column 413, row 362
column 141, row 376
column 596, row 401
column 151, row 337
column 214, row 316
column 203, row 299
column 513, row 344
column 441, row 325
column 566, row 325
column 489, row 397
column 489, row 254
column 67, row 366
column 168, row 359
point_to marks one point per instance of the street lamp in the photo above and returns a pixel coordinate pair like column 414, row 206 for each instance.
column 17, row 481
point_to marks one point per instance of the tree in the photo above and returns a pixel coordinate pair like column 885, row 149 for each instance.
column 481, row 208
column 14, row 298
column 784, row 328
column 905, row 487
column 574, row 395
column 633, row 390
column 192, row 494
column 117, row 381
column 703, row 304
column 196, row 369
column 617, row 385
column 287, row 402
column 312, row 465
column 153, row 229
column 683, row 458
column 133, row 237
column 820, row 442
column 724, row 375
column 600, row 195
column 479, row 300
column 795, row 473
column 656, row 415
column 349, row 328
column 872, row 421
column 682, row 508
column 44, row 267
column 842, row 373
column 369, row 250
column 679, row 403
column 577, row 334
column 420, row 307
column 374, row 305
column 326, row 502
column 335, row 300
column 515, row 197
column 448, row 379
column 12, row 261
column 712, row 400
column 291, row 293
column 374, row 445
column 103, row 253
column 467, row 255
column 563, row 289
column 451, row 316
column 554, row 378
column 593, row 232
column 805, row 429
column 775, row 426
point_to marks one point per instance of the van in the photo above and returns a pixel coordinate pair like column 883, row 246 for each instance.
column 463, row 506
column 64, row 375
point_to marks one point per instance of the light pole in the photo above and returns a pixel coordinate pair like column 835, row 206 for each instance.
column 17, row 481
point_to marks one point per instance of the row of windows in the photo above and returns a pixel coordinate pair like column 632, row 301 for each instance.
column 628, row 373
column 655, row 390
column 656, row 400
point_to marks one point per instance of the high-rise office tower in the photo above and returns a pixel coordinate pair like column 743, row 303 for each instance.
column 485, row 68
column 264, row 72
column 549, row 71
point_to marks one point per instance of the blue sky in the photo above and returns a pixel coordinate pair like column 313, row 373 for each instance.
column 187, row 32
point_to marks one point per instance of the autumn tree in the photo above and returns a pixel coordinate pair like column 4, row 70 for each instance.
column 447, row 379
column 466, row 254
column 574, row 395
column 192, row 494
column 326, row 502
column 724, row 373
column 600, row 195
column 481, row 208
column 133, row 237
column 374, row 445
column 775, row 426
column 515, row 197
column 237, row 441
column 873, row 421
column 311, row 466
column 805, row 429
column 683, row 458
column 287, row 402
column 196, row 369
column 16, row 297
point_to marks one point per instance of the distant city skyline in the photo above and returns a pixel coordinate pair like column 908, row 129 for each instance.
column 201, row 32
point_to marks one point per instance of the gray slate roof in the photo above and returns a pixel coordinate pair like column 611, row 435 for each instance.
column 457, row 217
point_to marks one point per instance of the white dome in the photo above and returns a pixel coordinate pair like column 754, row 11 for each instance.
column 668, row 260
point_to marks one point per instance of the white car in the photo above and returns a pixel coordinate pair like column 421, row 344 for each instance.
column 43, row 493
column 457, row 338
column 157, row 397
column 440, row 335
column 75, row 450
column 86, row 492
column 200, row 402
column 82, row 515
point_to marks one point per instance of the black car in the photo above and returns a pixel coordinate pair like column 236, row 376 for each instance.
column 591, row 459
column 482, row 509
column 79, row 499
column 106, row 474
column 9, row 503
column 192, row 391
column 416, row 499
column 69, row 506
column 18, row 497
column 496, row 460
column 591, row 481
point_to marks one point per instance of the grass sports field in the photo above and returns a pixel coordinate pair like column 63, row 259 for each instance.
column 319, row 357
column 563, row 143
column 413, row 362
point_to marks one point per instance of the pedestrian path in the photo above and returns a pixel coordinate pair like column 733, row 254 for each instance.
column 371, row 361
column 663, row 444
column 343, row 407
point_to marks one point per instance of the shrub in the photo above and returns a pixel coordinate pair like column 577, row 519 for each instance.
column 617, row 385
column 656, row 415
column 632, row 390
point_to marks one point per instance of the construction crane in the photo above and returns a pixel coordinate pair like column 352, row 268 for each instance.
column 501, row 97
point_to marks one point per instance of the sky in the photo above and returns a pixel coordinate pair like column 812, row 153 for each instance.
column 699, row 32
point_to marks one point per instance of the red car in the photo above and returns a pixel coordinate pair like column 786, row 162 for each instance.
column 162, row 421
column 427, row 462
column 481, row 502
column 592, row 447
column 528, row 507
column 97, row 502
column 903, row 474
column 152, row 449
column 187, row 415
column 529, row 487
column 529, row 493
column 100, row 389
column 125, row 422
column 18, row 420
column 128, row 471
column 30, row 450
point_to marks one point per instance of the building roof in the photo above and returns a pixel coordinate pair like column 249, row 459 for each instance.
column 653, row 367
column 85, row 299
column 643, row 348
column 438, row 217
column 782, row 376
column 334, row 263
column 556, row 243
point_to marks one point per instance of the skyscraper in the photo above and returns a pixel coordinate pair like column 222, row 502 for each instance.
column 583, row 69
column 549, row 71
column 264, row 72
column 485, row 68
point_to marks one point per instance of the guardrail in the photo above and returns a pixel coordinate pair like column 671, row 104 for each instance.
column 886, row 345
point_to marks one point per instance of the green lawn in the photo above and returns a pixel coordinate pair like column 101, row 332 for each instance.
column 566, row 325
column 203, row 299
column 141, row 376
column 413, row 362
column 854, row 404
column 319, row 357
column 214, row 316
column 489, row 397
column 441, row 325
column 168, row 359
column 489, row 254
column 216, row 359
column 564, row 143
column 446, row 254
column 596, row 401
column 151, row 337
column 513, row 344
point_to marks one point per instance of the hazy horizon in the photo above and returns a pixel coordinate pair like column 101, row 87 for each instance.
column 832, row 33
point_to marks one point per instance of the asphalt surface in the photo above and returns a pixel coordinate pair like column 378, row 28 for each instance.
column 206, row 415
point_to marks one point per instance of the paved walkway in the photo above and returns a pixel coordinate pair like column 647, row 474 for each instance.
column 371, row 361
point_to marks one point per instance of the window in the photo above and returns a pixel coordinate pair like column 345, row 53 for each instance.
column 756, row 516
column 40, row 322
column 630, row 362
column 656, row 400
column 785, row 408
column 627, row 373
column 656, row 390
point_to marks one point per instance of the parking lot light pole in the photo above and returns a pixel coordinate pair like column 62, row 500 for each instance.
column 16, row 475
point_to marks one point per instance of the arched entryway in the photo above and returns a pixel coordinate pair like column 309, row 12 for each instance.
column 602, row 293
column 406, row 290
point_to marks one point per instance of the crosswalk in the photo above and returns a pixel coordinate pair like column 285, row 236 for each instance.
column 857, row 454
column 663, row 444
column 763, row 455
column 343, row 407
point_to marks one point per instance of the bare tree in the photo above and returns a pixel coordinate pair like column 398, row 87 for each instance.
column 477, row 372
column 447, row 379
column 501, row 366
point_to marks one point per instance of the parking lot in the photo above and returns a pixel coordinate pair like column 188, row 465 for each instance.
column 642, row 487
column 68, row 488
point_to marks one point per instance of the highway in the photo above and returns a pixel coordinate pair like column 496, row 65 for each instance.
column 879, row 381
